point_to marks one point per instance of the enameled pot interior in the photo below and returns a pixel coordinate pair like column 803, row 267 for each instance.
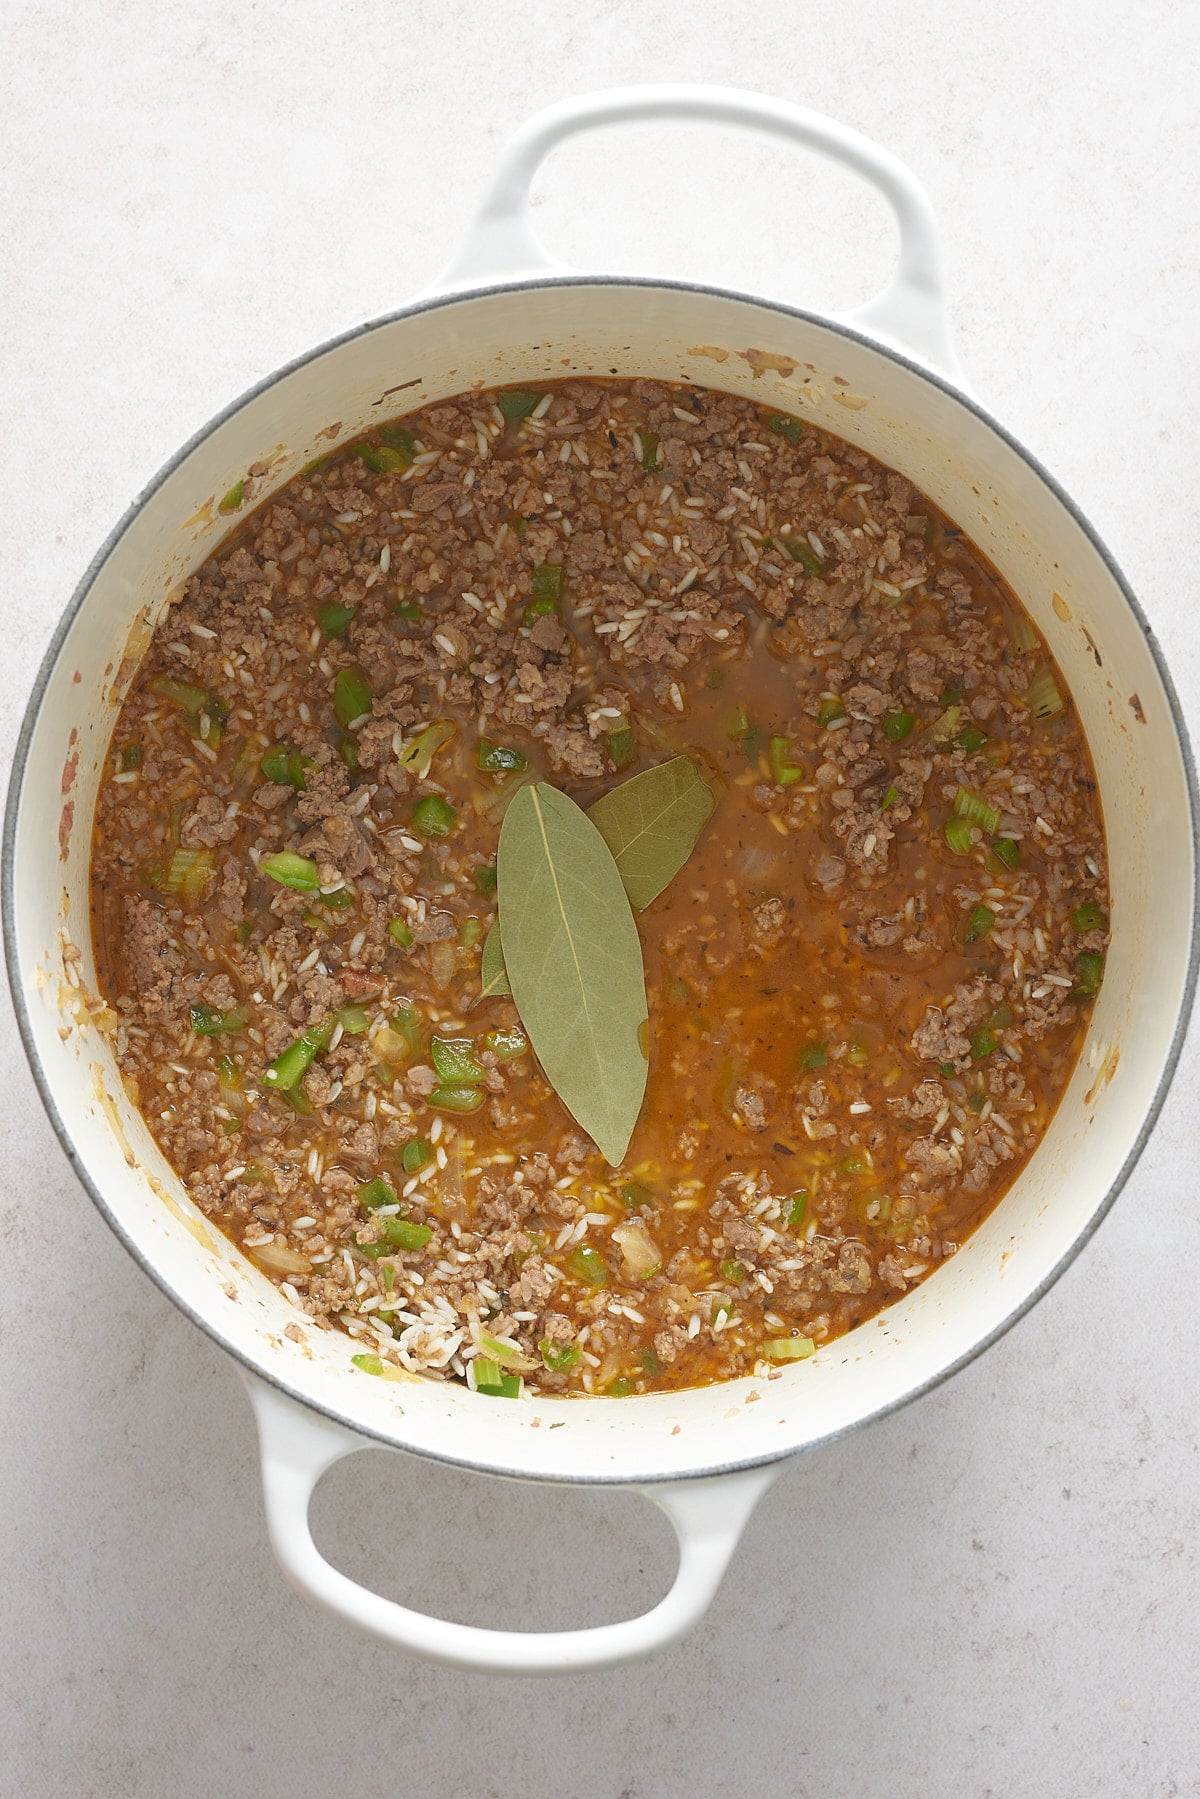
column 970, row 469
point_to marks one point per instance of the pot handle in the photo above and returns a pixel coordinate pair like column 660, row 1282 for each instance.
column 910, row 312
column 708, row 1515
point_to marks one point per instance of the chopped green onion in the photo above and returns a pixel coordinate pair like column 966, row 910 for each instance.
column 944, row 728
column 485, row 877
column 789, row 1349
column 402, row 1233
column 470, row 931
column 1090, row 964
column 351, row 697
column 291, row 870
column 507, row 1045
column 980, row 923
column 290, row 1068
column 191, row 700
column 897, row 725
column 231, row 500
column 547, row 581
column 650, row 1363
column 889, row 798
column 353, row 1020
column 433, row 816
column 397, row 438
column 499, row 759
column 284, row 766
column 338, row 900
column 1007, row 852
column 334, row 619
column 400, row 933
column 406, row 1022
column 636, row 1194
column 504, row 1352
column 589, row 1265
column 417, row 755
column 797, row 546
column 784, row 425
column 1000, row 1017
column 648, row 451
column 972, row 740
column 1043, row 697
column 130, row 756
column 983, row 1042
column 490, row 1379
column 797, row 1209
column 979, row 811
column 382, row 458
column 783, row 772
column 733, row 1272
column 852, row 1164
column 830, row 710
column 188, row 873
column 977, row 1101
column 1024, row 637
column 857, row 1054
column 370, row 1364
column 376, row 1193
column 409, row 609
column 1089, row 917
column 453, row 1096
column 416, row 1154
column 621, row 745
column 814, row 1055
column 206, row 1021
column 516, row 404
column 455, row 1059
column 348, row 751
column 958, row 835
column 947, row 1070
column 620, row 1388
column 721, row 1308
column 543, row 608
column 752, row 742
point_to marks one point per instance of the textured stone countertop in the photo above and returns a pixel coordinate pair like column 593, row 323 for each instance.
column 995, row 1592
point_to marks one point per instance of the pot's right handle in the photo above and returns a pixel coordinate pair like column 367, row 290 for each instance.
column 708, row 1516
column 910, row 312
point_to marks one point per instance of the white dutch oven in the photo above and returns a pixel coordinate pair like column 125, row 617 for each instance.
column 885, row 378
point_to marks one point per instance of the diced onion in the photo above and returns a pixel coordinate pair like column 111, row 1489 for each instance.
column 638, row 1249
column 280, row 1259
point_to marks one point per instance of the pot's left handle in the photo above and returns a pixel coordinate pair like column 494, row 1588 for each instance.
column 708, row 1516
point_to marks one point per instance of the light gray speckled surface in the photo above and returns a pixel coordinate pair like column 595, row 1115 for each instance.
column 996, row 1592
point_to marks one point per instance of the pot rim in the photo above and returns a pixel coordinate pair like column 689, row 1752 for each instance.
column 433, row 303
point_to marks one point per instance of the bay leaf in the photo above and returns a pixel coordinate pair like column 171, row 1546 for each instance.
column 574, row 962
column 492, row 972
column 651, row 823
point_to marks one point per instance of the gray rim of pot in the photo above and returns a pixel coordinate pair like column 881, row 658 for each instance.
column 32, row 710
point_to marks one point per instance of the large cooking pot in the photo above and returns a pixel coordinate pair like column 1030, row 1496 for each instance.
column 885, row 378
